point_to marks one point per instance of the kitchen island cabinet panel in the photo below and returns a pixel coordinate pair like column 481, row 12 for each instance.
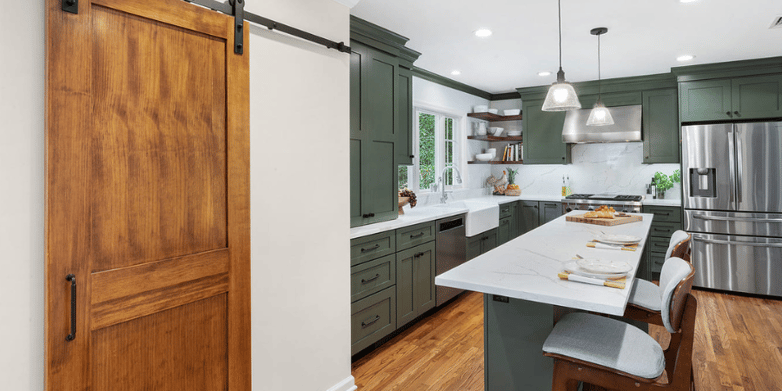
column 543, row 135
column 661, row 126
column 415, row 290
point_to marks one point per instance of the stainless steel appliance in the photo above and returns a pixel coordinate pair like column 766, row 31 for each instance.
column 450, row 251
column 626, row 127
column 731, row 177
column 620, row 203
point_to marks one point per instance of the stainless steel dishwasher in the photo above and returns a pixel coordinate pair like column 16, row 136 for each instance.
column 451, row 251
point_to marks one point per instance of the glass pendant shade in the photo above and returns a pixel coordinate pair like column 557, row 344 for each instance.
column 600, row 116
column 561, row 97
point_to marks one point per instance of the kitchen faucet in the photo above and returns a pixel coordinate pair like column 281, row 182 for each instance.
column 441, row 182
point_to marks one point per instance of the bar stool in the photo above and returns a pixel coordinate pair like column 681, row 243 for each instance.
column 644, row 301
column 613, row 354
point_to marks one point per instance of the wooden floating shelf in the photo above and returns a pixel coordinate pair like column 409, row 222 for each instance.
column 494, row 117
column 495, row 138
column 494, row 162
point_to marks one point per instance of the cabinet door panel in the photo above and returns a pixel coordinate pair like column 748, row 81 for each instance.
column 491, row 240
column 355, row 182
column 660, row 126
column 543, row 136
column 528, row 218
column 757, row 97
column 549, row 211
column 378, row 181
column 404, row 117
column 474, row 246
column 706, row 100
column 414, row 282
column 503, row 231
column 380, row 84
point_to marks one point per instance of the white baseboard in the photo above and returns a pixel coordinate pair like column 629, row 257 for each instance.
column 345, row 385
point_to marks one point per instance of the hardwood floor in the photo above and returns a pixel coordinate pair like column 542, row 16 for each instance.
column 738, row 347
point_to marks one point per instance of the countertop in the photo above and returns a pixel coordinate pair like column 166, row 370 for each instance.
column 526, row 267
column 422, row 214
column 663, row 202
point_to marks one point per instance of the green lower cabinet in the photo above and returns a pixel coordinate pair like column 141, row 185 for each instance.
column 508, row 228
column 528, row 216
column 503, row 231
column 543, row 135
column 415, row 289
column 549, row 211
column 661, row 126
column 667, row 220
column 372, row 318
column 481, row 243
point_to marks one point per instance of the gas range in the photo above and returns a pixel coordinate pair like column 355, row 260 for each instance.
column 620, row 202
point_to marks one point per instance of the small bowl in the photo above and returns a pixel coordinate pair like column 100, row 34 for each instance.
column 484, row 157
column 514, row 133
column 480, row 109
column 496, row 131
column 492, row 152
column 480, row 132
column 511, row 112
column 493, row 111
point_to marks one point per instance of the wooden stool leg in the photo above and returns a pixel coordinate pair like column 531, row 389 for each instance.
column 561, row 382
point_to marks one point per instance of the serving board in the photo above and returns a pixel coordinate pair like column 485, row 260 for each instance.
column 603, row 220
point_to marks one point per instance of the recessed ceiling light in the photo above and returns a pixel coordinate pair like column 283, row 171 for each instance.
column 544, row 73
column 456, row 73
column 482, row 33
column 686, row 57
column 687, row 1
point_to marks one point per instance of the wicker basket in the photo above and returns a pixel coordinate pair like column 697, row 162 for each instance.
column 512, row 192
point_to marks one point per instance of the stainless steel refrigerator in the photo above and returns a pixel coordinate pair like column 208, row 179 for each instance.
column 732, row 185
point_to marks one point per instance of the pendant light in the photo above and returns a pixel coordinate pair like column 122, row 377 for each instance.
column 561, row 96
column 600, row 116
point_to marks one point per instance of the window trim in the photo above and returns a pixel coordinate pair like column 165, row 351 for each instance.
column 458, row 139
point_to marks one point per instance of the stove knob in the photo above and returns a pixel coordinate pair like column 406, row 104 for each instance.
column 624, row 210
column 591, row 208
column 568, row 210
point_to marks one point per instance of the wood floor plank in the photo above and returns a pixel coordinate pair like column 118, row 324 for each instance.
column 738, row 347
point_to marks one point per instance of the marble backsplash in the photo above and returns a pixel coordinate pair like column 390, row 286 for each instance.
column 596, row 168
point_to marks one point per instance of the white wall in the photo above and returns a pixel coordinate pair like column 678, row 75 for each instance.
column 301, row 297
column 437, row 97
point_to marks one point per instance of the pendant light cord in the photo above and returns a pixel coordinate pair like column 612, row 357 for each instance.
column 559, row 13
column 599, row 76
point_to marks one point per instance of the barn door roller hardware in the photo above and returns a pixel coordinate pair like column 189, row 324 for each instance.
column 238, row 12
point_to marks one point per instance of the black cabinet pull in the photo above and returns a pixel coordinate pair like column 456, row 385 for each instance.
column 728, row 114
column 416, row 236
column 737, row 114
column 366, row 324
column 375, row 247
column 363, row 281
column 412, row 156
column 368, row 215
column 72, row 279
column 418, row 255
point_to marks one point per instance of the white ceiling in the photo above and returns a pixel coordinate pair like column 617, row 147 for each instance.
column 644, row 36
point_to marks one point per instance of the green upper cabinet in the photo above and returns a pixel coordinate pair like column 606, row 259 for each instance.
column 404, row 116
column 612, row 99
column 661, row 126
column 543, row 135
column 739, row 98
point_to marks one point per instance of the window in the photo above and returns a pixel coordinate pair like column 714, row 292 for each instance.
column 435, row 148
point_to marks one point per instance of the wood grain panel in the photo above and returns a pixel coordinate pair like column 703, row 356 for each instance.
column 160, row 157
column 191, row 18
column 182, row 349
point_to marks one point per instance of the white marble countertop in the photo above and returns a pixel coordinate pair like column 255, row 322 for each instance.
column 422, row 214
column 663, row 202
column 526, row 268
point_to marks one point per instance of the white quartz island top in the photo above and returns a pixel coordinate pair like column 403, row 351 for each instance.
column 526, row 267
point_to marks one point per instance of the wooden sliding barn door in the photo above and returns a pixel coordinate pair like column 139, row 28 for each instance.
column 147, row 198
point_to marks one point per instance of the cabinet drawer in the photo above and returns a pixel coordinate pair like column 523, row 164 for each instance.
column 414, row 235
column 664, row 230
column 371, row 277
column 506, row 210
column 372, row 318
column 370, row 247
column 664, row 213
column 659, row 244
column 656, row 260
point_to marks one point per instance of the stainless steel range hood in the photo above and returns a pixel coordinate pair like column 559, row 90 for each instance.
column 626, row 127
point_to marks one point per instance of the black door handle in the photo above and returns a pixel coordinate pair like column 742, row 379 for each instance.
column 375, row 247
column 417, row 236
column 72, row 335
column 737, row 114
column 367, row 323
column 377, row 275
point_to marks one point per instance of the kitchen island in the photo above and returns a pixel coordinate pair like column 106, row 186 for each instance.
column 523, row 296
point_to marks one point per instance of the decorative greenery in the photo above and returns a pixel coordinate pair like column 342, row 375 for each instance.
column 512, row 175
column 677, row 176
column 665, row 182
column 426, row 145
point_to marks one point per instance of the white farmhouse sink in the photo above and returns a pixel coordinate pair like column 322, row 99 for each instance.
column 481, row 216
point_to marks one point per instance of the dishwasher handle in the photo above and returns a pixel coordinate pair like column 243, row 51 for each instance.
column 450, row 224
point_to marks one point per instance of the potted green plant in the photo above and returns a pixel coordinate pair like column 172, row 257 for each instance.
column 665, row 182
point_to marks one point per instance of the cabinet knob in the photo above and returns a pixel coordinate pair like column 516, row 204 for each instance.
column 412, row 156
column 728, row 113
column 563, row 158
column 737, row 114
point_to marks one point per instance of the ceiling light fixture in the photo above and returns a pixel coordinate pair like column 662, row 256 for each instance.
column 687, row 1
column 561, row 95
column 456, row 73
column 483, row 33
column 544, row 73
column 600, row 116
column 686, row 57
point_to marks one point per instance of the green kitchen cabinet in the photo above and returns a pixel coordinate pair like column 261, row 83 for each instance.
column 503, row 231
column 549, row 211
column 667, row 220
column 415, row 289
column 612, row 99
column 404, row 117
column 373, row 138
column 661, row 126
column 528, row 216
column 543, row 135
column 508, row 228
column 739, row 98
column 481, row 243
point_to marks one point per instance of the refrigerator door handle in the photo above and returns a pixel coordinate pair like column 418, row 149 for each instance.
column 740, row 167
column 732, row 167
column 749, row 219
column 754, row 244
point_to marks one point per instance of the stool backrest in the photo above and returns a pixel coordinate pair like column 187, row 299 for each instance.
column 679, row 245
column 676, row 281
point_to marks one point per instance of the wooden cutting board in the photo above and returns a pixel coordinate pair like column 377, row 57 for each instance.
column 603, row 220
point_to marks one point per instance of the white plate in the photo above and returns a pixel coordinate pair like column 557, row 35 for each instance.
column 619, row 239
column 575, row 269
column 593, row 265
